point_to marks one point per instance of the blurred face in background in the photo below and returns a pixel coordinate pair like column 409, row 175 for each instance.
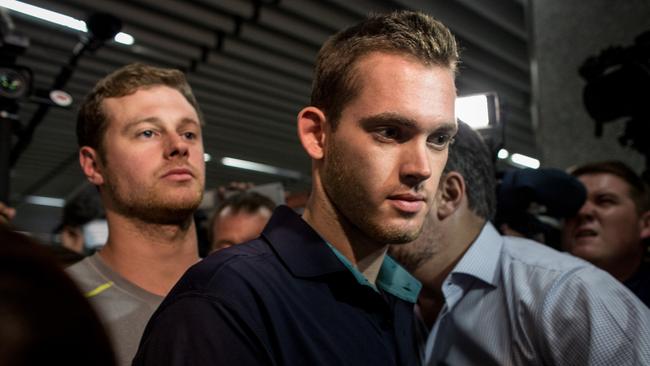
column 230, row 227
column 608, row 230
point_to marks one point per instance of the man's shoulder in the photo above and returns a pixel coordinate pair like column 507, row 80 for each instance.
column 535, row 255
column 534, row 269
column 531, row 269
column 86, row 274
column 227, row 269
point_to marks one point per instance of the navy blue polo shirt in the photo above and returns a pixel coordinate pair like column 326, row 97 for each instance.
column 283, row 299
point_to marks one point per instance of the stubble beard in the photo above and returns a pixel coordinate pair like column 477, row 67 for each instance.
column 148, row 204
column 351, row 200
column 414, row 254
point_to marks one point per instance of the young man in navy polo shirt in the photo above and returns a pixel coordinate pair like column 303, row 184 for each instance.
column 319, row 289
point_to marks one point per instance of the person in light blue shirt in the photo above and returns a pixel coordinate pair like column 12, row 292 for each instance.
column 489, row 299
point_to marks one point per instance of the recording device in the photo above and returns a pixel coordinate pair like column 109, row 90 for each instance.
column 618, row 86
column 534, row 202
column 15, row 84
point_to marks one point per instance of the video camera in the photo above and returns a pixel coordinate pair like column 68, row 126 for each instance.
column 618, row 85
column 15, row 80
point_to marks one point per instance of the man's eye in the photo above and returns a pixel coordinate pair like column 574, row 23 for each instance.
column 606, row 201
column 390, row 133
column 146, row 133
column 189, row 135
column 440, row 141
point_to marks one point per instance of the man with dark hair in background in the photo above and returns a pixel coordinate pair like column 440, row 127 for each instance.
column 489, row 299
column 319, row 290
column 83, row 227
column 239, row 218
column 612, row 229
column 139, row 134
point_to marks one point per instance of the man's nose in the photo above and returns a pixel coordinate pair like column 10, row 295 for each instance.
column 416, row 162
column 176, row 146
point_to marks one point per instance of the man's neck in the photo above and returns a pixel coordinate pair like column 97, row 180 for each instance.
column 624, row 269
column 365, row 254
column 152, row 256
column 451, row 247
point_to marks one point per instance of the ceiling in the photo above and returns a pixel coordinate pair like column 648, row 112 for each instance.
column 249, row 63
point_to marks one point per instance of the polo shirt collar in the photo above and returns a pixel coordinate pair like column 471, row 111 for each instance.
column 299, row 246
column 392, row 278
column 306, row 254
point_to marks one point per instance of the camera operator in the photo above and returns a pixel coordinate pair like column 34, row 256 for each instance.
column 612, row 229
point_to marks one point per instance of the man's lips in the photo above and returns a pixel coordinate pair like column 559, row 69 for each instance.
column 408, row 202
column 584, row 233
column 178, row 174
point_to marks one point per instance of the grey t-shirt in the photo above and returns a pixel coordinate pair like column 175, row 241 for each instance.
column 123, row 307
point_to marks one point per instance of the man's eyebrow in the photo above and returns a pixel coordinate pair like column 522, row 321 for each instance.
column 132, row 124
column 395, row 119
column 388, row 118
column 190, row 121
column 157, row 121
column 450, row 128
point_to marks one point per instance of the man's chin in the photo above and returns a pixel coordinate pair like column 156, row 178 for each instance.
column 396, row 234
column 163, row 212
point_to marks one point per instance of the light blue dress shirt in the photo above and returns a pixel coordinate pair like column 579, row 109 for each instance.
column 512, row 301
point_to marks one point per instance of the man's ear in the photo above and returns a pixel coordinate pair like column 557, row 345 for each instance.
column 311, row 131
column 644, row 224
column 91, row 165
column 450, row 194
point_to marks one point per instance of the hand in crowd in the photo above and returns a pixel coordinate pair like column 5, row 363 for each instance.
column 6, row 213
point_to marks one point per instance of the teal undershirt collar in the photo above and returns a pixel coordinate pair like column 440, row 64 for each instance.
column 392, row 278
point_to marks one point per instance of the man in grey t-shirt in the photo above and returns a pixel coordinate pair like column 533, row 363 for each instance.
column 139, row 133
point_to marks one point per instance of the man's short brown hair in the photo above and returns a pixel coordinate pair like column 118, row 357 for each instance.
column 401, row 32
column 638, row 188
column 92, row 118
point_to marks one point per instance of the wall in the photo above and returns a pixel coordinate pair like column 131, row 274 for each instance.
column 564, row 34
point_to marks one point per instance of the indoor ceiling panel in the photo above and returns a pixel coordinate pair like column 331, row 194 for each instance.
column 250, row 65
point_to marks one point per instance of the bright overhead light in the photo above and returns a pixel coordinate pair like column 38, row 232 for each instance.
column 503, row 154
column 473, row 110
column 45, row 201
column 249, row 165
column 524, row 161
column 124, row 38
column 207, row 157
column 58, row 18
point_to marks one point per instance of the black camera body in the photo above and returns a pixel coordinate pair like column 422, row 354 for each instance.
column 618, row 86
column 15, row 80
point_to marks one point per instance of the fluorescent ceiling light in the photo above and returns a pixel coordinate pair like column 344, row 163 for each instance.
column 207, row 157
column 249, row 165
column 473, row 110
column 45, row 201
column 124, row 38
column 503, row 154
column 57, row 18
column 524, row 161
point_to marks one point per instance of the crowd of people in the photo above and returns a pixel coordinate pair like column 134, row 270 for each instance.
column 395, row 258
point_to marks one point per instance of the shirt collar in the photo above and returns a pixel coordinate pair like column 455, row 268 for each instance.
column 482, row 258
column 392, row 278
column 299, row 246
column 306, row 254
